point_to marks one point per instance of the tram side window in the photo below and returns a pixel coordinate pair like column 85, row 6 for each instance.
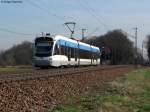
column 68, row 51
column 76, row 53
column 72, row 52
column 56, row 51
column 95, row 55
column 98, row 55
column 62, row 50
column 85, row 54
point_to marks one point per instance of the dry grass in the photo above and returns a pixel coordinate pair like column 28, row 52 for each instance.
column 127, row 94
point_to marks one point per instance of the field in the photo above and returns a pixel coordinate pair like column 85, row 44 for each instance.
column 16, row 69
column 130, row 93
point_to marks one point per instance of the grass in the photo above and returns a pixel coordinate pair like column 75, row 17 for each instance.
column 16, row 69
column 127, row 94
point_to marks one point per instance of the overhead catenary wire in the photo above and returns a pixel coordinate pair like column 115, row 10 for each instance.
column 92, row 13
column 98, row 17
column 37, row 6
column 63, row 19
column 66, row 18
column 92, row 10
column 91, row 33
column 46, row 11
column 14, row 32
column 54, row 14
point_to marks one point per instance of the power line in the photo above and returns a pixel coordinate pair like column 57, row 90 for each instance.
column 99, row 17
column 83, row 32
column 95, row 30
column 45, row 10
column 64, row 18
column 91, row 12
column 14, row 32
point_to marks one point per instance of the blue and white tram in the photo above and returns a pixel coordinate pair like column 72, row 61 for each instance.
column 60, row 51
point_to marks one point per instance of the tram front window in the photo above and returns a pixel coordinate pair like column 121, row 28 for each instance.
column 43, row 50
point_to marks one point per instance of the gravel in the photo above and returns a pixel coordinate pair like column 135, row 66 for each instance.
column 41, row 95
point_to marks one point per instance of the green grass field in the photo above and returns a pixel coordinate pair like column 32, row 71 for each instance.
column 127, row 94
column 17, row 69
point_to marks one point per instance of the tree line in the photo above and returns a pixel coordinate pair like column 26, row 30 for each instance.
column 148, row 47
column 115, row 48
column 20, row 54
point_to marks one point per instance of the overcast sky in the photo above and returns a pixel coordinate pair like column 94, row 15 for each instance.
column 36, row 16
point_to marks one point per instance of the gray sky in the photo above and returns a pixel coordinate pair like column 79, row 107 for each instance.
column 36, row 16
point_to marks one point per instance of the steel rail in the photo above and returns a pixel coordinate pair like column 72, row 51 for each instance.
column 44, row 74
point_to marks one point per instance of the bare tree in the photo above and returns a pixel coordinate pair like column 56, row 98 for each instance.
column 148, row 47
column 20, row 54
column 120, row 49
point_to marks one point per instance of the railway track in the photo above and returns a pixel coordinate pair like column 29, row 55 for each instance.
column 40, row 90
column 44, row 74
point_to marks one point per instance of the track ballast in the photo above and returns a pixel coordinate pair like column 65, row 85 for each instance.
column 44, row 74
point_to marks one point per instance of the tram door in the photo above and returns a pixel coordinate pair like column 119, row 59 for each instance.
column 72, row 55
column 76, row 54
column 69, row 53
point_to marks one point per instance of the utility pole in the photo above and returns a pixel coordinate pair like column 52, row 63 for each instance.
column 136, row 52
column 142, row 53
column 83, row 32
column 42, row 34
column 71, row 29
column 143, row 46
